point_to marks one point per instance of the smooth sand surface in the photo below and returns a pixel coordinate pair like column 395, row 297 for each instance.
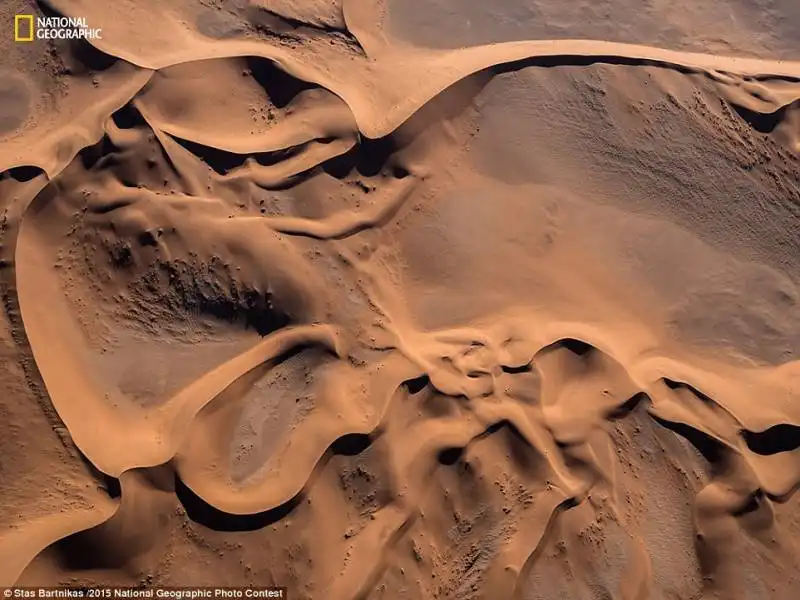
column 404, row 299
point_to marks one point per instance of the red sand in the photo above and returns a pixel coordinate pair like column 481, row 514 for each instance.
column 292, row 298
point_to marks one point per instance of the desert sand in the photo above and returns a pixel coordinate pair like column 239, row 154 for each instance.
column 385, row 299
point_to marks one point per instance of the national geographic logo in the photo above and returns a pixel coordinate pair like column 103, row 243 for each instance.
column 27, row 28
column 23, row 28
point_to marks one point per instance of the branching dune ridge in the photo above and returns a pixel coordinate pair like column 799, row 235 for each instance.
column 375, row 299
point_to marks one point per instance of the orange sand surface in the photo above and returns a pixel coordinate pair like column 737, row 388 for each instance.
column 403, row 299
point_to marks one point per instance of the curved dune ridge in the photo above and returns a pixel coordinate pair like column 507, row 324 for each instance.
column 292, row 301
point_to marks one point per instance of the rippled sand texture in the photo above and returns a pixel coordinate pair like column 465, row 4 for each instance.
column 388, row 300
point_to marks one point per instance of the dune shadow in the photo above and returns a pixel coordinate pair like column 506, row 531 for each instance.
column 761, row 122
column 569, row 60
column 223, row 161
column 21, row 174
column 351, row 444
column 712, row 450
column 200, row 511
column 280, row 87
column 782, row 437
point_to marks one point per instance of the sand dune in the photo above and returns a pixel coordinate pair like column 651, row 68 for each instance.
column 297, row 294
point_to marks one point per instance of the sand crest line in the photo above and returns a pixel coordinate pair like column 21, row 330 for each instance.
column 409, row 90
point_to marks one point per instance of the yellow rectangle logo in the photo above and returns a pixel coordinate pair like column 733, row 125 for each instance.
column 19, row 34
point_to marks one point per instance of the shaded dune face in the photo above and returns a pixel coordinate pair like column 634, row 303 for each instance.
column 298, row 300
